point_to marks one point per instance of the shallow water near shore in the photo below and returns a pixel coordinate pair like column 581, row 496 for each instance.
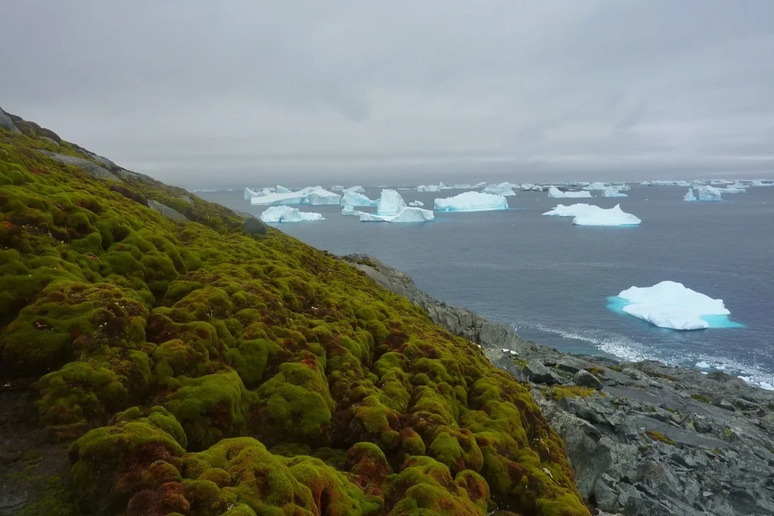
column 551, row 280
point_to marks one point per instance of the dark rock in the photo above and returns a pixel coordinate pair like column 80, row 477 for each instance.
column 6, row 122
column 253, row 226
column 89, row 166
column 585, row 379
column 538, row 373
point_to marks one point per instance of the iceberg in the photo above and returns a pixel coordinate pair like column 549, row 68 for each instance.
column 472, row 201
column 416, row 203
column 609, row 191
column 288, row 214
column 504, row 189
column 430, row 188
column 590, row 215
column 406, row 215
column 703, row 193
column 315, row 195
column 555, row 193
column 671, row 305
column 390, row 203
column 353, row 198
column 595, row 186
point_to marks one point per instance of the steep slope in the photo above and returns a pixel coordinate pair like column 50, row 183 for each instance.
column 198, row 362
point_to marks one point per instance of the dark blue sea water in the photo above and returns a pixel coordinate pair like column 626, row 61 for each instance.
column 551, row 280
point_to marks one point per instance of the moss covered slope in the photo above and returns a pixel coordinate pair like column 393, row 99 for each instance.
column 213, row 365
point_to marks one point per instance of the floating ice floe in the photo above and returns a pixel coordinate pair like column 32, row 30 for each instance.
column 314, row 195
column 430, row 188
column 671, row 305
column 418, row 204
column 609, row 191
column 703, row 193
column 504, row 189
column 392, row 208
column 288, row 214
column 472, row 201
column 590, row 215
column 555, row 193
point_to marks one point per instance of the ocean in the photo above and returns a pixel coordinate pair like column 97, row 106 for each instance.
column 551, row 280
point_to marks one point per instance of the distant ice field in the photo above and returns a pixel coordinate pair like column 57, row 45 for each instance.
column 551, row 280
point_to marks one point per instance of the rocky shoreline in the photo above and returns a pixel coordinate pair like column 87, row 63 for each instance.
column 644, row 438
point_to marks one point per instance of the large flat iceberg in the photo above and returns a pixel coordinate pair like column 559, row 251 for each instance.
column 314, row 195
column 472, row 201
column 672, row 305
column 287, row 214
column 555, row 193
column 590, row 215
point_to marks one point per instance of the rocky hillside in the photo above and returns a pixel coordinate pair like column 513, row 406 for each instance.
column 163, row 355
column 644, row 439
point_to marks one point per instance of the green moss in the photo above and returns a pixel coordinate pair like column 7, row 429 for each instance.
column 211, row 407
column 658, row 436
column 571, row 391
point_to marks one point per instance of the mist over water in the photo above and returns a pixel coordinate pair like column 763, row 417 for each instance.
column 552, row 281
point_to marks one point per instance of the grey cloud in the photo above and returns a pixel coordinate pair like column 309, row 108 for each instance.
column 198, row 92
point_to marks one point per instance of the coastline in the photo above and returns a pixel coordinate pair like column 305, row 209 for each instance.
column 643, row 437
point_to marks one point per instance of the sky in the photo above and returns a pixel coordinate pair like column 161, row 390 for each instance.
column 252, row 93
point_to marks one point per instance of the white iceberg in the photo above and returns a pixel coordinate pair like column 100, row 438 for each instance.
column 504, row 189
column 472, row 201
column 609, row 191
column 590, row 215
column 390, row 203
column 288, row 214
column 355, row 189
column 703, row 193
column 430, row 188
column 314, row 195
column 352, row 198
column 555, row 193
column 416, row 203
column 406, row 215
column 671, row 305
column 595, row 186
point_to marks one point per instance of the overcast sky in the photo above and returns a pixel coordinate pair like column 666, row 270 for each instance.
column 201, row 93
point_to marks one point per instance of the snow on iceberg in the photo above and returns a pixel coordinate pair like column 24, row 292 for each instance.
column 610, row 191
column 590, row 215
column 315, row 195
column 406, row 215
column 504, row 189
column 472, row 201
column 672, row 305
column 555, row 193
column 288, row 214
